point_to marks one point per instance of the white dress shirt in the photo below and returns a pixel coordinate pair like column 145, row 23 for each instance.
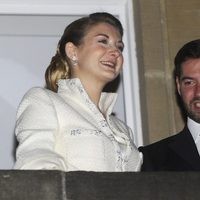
column 194, row 129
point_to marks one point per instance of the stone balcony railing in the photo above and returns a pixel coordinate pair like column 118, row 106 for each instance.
column 57, row 185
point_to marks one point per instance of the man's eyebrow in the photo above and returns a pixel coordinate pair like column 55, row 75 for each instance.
column 186, row 77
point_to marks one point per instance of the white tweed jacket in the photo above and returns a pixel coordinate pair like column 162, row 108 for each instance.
column 66, row 131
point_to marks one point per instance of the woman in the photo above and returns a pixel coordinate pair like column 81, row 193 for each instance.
column 69, row 125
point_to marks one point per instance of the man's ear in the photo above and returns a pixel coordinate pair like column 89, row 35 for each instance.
column 70, row 50
column 178, row 87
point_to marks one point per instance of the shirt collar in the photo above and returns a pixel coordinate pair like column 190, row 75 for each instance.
column 107, row 100
column 194, row 128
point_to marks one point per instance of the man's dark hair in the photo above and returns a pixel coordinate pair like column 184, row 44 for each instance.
column 188, row 51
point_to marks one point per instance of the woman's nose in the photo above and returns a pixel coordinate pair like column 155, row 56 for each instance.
column 115, row 51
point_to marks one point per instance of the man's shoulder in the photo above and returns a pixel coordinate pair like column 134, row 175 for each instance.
column 161, row 144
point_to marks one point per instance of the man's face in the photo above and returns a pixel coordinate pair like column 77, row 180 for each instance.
column 188, row 87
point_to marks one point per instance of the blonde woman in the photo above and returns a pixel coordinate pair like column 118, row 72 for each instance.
column 69, row 125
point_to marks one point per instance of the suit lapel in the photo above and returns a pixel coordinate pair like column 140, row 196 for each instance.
column 185, row 147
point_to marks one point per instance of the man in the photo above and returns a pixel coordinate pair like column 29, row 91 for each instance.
column 181, row 151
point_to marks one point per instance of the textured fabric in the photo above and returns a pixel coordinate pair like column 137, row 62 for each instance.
column 175, row 153
column 66, row 131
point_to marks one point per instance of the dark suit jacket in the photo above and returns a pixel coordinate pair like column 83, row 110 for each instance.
column 175, row 153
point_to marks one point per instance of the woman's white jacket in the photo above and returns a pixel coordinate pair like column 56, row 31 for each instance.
column 66, row 131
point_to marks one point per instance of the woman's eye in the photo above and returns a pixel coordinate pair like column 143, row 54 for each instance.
column 104, row 41
column 121, row 48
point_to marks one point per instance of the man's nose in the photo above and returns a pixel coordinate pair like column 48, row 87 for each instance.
column 198, row 89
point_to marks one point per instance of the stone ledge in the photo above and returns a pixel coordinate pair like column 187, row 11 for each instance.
column 79, row 185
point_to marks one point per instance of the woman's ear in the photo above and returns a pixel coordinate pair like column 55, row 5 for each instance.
column 70, row 50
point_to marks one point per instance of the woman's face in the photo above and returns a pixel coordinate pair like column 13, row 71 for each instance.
column 100, row 54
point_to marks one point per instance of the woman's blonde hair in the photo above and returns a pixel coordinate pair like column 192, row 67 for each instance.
column 60, row 65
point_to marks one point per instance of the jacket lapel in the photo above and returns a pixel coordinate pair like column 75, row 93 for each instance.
column 185, row 147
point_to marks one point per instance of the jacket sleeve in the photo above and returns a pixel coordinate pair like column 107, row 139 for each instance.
column 147, row 160
column 37, row 129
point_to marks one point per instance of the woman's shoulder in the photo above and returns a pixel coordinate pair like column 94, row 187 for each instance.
column 38, row 92
column 36, row 98
column 37, row 95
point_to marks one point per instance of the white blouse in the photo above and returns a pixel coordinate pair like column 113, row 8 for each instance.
column 66, row 131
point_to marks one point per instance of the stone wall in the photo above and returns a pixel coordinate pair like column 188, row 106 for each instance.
column 162, row 27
